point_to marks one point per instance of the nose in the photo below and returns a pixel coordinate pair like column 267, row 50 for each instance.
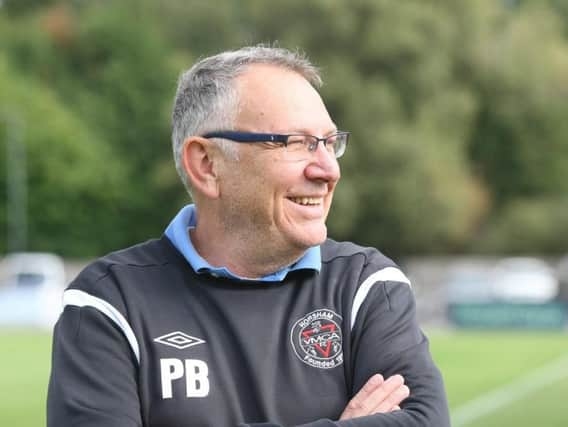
column 323, row 166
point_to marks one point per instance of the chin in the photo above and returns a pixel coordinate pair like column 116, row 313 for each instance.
column 312, row 237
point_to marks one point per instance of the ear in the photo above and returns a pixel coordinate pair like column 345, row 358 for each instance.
column 199, row 156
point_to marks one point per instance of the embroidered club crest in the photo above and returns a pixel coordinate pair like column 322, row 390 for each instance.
column 317, row 339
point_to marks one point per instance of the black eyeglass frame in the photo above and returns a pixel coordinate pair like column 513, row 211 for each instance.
column 253, row 137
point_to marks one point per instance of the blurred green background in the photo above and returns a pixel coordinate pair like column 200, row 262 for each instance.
column 487, row 369
column 457, row 109
column 458, row 113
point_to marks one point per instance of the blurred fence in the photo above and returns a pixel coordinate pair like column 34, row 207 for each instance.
column 431, row 279
column 438, row 289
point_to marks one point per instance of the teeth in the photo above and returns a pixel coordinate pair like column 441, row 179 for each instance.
column 307, row 200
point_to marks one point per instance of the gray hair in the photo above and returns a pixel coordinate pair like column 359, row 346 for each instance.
column 207, row 100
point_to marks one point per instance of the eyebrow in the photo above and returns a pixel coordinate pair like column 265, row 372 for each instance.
column 304, row 131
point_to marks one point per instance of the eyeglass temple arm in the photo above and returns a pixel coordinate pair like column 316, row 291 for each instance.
column 248, row 137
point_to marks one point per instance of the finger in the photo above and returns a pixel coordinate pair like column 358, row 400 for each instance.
column 395, row 408
column 370, row 401
column 393, row 399
column 374, row 402
column 360, row 405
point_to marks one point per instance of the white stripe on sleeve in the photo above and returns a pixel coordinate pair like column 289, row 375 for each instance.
column 82, row 299
column 388, row 274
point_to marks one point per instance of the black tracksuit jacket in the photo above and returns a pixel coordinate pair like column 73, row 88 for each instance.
column 145, row 341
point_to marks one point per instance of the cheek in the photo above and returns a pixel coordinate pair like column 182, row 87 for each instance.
column 266, row 182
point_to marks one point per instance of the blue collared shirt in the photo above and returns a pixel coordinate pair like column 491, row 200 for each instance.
column 186, row 219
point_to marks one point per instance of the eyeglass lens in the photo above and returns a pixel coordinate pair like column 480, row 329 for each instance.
column 335, row 144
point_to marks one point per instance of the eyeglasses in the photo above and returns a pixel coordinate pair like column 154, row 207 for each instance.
column 294, row 143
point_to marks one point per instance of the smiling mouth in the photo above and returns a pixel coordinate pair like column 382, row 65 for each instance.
column 307, row 201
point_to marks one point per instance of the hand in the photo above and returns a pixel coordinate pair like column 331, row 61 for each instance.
column 377, row 396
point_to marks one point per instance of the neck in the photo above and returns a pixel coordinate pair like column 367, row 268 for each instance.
column 241, row 254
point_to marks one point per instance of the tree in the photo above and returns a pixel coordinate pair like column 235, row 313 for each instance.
column 71, row 204
column 456, row 108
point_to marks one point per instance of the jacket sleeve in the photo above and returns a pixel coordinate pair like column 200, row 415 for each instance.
column 386, row 339
column 93, row 375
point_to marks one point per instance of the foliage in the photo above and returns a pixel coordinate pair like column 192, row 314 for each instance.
column 519, row 142
column 65, row 182
column 92, row 72
column 527, row 225
column 456, row 109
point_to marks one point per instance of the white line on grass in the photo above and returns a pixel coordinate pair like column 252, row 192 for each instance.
column 509, row 393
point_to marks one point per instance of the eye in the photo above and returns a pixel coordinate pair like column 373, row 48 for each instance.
column 331, row 143
column 298, row 142
column 273, row 144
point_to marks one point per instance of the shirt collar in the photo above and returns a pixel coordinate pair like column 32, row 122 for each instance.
column 186, row 219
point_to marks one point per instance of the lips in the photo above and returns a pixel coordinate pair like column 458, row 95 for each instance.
column 307, row 201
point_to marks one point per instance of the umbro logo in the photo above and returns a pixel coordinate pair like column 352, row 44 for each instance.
column 179, row 340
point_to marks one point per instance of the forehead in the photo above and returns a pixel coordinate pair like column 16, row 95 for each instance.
column 275, row 99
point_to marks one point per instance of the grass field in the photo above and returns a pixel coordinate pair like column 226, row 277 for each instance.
column 519, row 379
column 513, row 379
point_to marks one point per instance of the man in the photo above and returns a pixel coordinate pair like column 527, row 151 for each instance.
column 243, row 314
